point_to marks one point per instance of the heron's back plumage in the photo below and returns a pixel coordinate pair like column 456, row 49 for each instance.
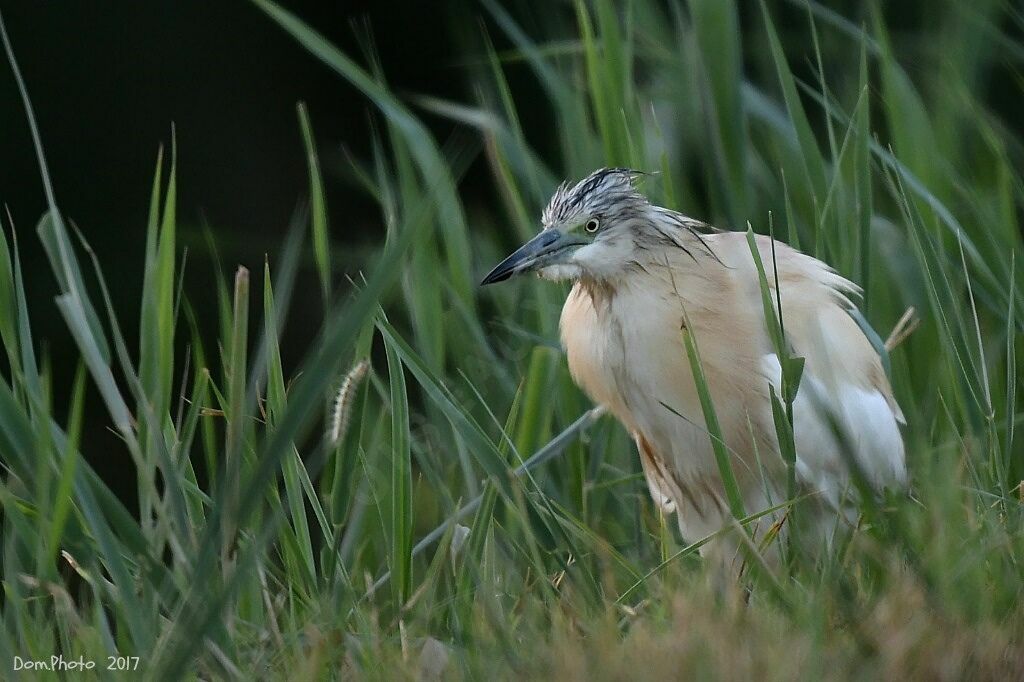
column 625, row 349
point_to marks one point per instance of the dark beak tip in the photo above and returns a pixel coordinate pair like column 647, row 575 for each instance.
column 495, row 276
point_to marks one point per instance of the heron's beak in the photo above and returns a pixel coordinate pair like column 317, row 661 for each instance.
column 550, row 247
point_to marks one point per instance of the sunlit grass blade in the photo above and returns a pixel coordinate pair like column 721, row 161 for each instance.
column 156, row 327
column 318, row 207
column 62, row 495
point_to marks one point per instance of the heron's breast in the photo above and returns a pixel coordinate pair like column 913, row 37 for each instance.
column 626, row 355
column 592, row 340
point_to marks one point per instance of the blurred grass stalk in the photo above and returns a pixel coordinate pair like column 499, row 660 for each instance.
column 259, row 532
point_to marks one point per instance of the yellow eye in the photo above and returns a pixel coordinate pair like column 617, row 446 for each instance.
column 592, row 225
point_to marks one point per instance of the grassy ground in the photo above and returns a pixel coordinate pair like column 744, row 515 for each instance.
column 285, row 520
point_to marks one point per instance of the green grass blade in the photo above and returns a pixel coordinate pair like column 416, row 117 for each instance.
column 321, row 235
column 401, row 479
column 725, row 471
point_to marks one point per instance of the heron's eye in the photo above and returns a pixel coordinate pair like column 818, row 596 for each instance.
column 592, row 225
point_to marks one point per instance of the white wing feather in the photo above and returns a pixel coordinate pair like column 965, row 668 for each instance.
column 832, row 423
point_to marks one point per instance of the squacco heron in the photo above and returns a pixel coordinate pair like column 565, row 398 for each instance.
column 640, row 273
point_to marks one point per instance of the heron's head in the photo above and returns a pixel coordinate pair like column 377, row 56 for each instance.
column 589, row 230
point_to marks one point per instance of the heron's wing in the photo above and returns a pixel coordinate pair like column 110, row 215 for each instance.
column 656, row 474
column 833, row 424
column 844, row 409
column 845, row 406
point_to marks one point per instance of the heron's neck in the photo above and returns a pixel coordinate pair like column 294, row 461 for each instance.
column 683, row 272
column 600, row 290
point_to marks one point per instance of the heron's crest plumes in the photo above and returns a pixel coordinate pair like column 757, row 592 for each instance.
column 607, row 193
